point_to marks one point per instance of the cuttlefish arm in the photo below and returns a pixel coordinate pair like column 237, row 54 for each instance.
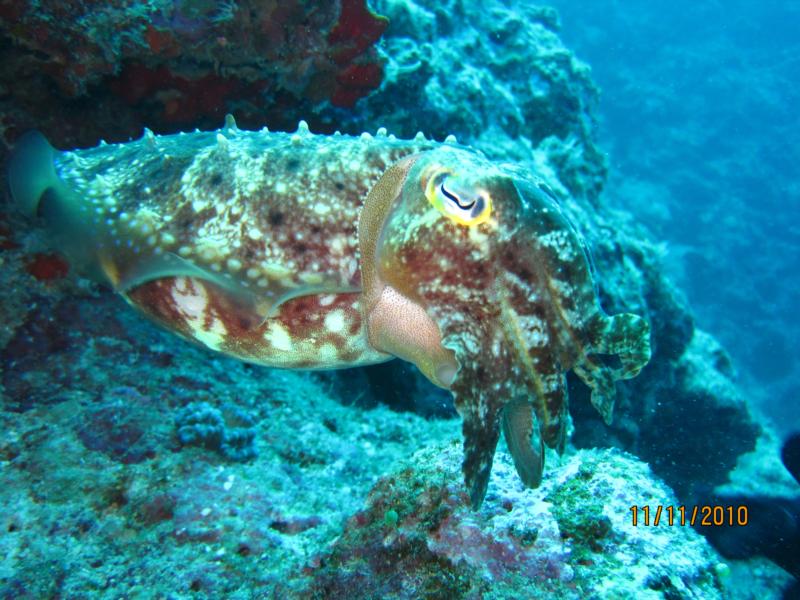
column 402, row 325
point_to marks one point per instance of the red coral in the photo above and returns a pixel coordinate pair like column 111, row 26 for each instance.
column 161, row 42
column 351, row 41
column 358, row 28
column 183, row 100
column 47, row 267
column 6, row 237
column 356, row 81
column 185, row 66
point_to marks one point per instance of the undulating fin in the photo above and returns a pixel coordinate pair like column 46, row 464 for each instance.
column 521, row 430
column 38, row 191
column 256, row 308
column 790, row 455
column 31, row 171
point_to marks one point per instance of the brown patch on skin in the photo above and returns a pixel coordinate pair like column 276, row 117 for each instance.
column 355, row 323
column 198, row 219
column 238, row 318
column 155, row 300
column 252, row 251
column 303, row 318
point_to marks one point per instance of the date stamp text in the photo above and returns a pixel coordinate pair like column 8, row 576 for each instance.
column 702, row 515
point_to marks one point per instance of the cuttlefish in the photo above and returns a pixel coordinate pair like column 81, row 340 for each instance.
column 314, row 252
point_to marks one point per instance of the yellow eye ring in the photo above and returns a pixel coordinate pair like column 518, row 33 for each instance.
column 466, row 205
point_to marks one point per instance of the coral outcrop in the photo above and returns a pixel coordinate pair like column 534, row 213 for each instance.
column 574, row 538
column 82, row 71
column 229, row 432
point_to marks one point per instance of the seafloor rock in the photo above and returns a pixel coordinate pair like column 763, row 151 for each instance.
column 572, row 538
column 93, row 509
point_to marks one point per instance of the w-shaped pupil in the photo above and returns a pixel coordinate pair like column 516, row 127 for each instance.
column 452, row 197
column 478, row 207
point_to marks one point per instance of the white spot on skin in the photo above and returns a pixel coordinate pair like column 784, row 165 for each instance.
column 335, row 321
column 192, row 303
column 275, row 271
column 278, row 337
column 327, row 353
column 191, row 300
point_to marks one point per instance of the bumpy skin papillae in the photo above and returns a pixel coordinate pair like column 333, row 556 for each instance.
column 304, row 251
column 243, row 241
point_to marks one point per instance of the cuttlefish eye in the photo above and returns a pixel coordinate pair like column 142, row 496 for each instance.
column 458, row 200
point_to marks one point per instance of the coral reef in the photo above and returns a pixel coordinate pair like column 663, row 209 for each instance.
column 620, row 256
column 629, row 270
column 106, row 511
column 572, row 539
column 100, row 497
column 231, row 434
column 112, row 67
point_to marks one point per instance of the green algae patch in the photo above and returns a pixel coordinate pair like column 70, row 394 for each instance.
column 578, row 507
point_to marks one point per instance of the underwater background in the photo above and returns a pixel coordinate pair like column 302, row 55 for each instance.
column 697, row 116
column 137, row 465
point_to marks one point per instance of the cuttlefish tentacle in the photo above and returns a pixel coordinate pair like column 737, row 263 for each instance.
column 481, row 433
column 540, row 418
column 628, row 337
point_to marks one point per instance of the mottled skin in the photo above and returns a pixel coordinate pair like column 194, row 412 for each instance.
column 304, row 251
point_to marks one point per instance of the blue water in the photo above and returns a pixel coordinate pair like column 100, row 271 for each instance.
column 699, row 117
